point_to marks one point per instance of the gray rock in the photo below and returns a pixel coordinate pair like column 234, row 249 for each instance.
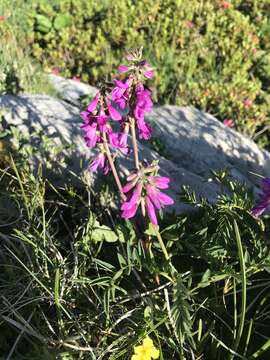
column 71, row 90
column 61, row 122
column 199, row 142
column 195, row 142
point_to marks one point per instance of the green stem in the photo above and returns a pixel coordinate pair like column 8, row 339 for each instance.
column 134, row 143
column 21, row 186
column 161, row 243
column 110, row 159
column 244, row 286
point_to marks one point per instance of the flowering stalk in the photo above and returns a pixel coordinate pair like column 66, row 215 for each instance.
column 134, row 143
column 108, row 119
column 111, row 162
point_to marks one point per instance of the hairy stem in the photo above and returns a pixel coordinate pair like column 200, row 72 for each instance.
column 134, row 143
column 114, row 171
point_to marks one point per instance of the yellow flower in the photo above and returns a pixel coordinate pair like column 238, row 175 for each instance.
column 146, row 351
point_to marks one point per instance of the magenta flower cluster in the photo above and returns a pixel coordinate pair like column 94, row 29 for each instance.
column 144, row 190
column 115, row 113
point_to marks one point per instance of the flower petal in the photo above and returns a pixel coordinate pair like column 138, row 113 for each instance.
column 123, row 68
column 130, row 185
column 148, row 342
column 161, row 182
column 154, row 353
column 259, row 208
column 130, row 212
column 266, row 185
column 165, row 199
column 114, row 114
column 153, row 195
column 149, row 74
column 93, row 104
column 151, row 211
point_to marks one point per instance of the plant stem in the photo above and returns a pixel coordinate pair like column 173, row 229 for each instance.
column 161, row 243
column 21, row 187
column 244, row 287
column 134, row 143
column 115, row 175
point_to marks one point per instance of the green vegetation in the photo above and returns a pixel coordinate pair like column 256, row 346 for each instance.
column 78, row 282
column 19, row 73
column 212, row 54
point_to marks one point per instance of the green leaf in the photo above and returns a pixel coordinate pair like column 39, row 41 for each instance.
column 150, row 230
column 103, row 233
column 62, row 21
column 43, row 23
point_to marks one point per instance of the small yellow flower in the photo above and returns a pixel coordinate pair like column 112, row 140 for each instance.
column 146, row 351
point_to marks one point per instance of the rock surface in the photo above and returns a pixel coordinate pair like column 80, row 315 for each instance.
column 195, row 142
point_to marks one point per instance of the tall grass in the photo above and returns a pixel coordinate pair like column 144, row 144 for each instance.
column 76, row 282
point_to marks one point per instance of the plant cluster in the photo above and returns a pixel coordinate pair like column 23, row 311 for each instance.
column 19, row 72
column 79, row 280
column 211, row 54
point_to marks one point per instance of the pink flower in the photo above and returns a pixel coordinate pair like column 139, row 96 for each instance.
column 228, row 123
column 226, row 5
column 55, row 71
column 76, row 78
column 143, row 102
column 145, row 130
column 130, row 206
column 93, row 104
column 146, row 69
column 3, row 18
column 143, row 67
column 247, row 103
column 102, row 121
column 264, row 199
column 120, row 93
column 87, row 114
column 90, row 135
column 119, row 141
column 151, row 211
column 161, row 182
column 114, row 114
column 158, row 197
column 189, row 24
column 101, row 162
column 119, row 89
column 123, row 68
column 149, row 192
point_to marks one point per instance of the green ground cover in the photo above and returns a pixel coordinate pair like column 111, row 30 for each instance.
column 76, row 280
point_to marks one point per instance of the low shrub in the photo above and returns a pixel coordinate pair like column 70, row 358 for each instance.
column 19, row 72
column 213, row 54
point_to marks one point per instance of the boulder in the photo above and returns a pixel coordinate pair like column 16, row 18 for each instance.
column 193, row 139
column 195, row 142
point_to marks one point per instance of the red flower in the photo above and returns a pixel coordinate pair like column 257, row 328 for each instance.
column 226, row 5
column 247, row 103
column 228, row 123
column 55, row 71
